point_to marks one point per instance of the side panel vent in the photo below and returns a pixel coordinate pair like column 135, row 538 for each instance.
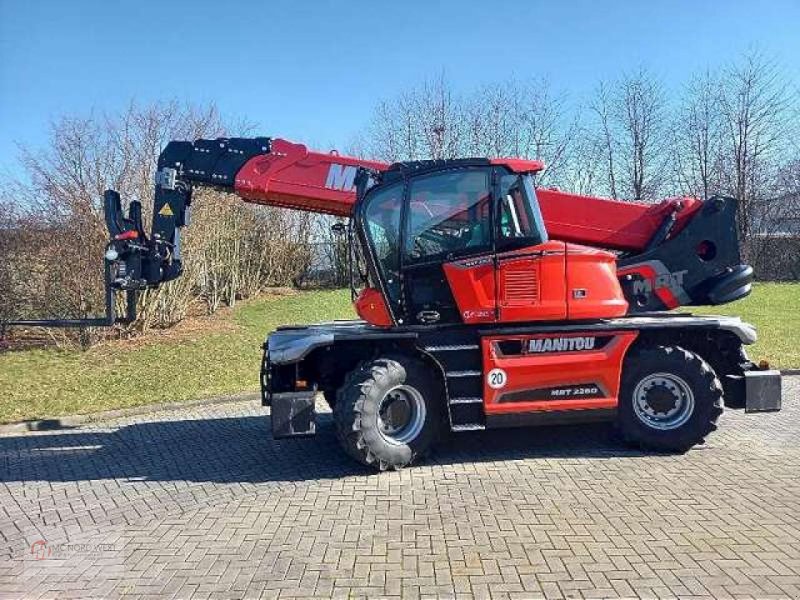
column 520, row 285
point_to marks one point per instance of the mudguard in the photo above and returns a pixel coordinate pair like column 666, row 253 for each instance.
column 291, row 344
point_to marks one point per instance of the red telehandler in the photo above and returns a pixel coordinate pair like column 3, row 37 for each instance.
column 484, row 301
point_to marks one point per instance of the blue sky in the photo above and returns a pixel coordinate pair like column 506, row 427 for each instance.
column 313, row 71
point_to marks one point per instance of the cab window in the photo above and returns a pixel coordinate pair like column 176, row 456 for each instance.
column 520, row 221
column 448, row 214
column 382, row 216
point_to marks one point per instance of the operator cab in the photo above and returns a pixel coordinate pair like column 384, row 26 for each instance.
column 460, row 241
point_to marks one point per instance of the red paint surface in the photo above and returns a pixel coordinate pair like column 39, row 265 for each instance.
column 609, row 223
column 472, row 282
column 594, row 272
column 294, row 177
column 601, row 366
column 371, row 307
column 533, row 283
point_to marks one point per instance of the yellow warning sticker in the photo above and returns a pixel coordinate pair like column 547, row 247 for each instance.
column 166, row 211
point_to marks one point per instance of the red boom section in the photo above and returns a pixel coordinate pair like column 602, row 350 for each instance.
column 291, row 176
column 609, row 223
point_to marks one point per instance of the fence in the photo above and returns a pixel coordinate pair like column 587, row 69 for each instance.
column 775, row 257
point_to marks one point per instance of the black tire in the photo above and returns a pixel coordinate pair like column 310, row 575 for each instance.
column 359, row 400
column 667, row 379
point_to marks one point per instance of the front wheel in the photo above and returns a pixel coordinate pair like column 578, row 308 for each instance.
column 670, row 399
column 389, row 413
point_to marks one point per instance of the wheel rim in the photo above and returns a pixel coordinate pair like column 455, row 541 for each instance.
column 663, row 401
column 401, row 414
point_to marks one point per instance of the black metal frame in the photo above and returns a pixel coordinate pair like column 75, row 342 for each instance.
column 108, row 320
column 718, row 278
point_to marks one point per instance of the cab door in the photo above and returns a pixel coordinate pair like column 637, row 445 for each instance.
column 531, row 271
column 448, row 222
column 381, row 217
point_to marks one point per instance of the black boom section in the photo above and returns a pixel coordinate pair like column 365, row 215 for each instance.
column 698, row 266
column 211, row 162
column 182, row 165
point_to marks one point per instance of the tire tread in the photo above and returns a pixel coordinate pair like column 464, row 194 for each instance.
column 349, row 406
column 692, row 362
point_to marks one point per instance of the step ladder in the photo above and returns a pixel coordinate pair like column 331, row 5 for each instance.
column 463, row 369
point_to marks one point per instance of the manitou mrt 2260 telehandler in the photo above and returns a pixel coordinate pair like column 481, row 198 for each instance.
column 484, row 301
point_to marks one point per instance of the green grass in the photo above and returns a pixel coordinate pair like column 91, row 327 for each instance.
column 51, row 383
column 774, row 308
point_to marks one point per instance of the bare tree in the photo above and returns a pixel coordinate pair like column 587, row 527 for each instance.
column 7, row 273
column 231, row 250
column 545, row 131
column 439, row 117
column 585, row 171
column 697, row 137
column 642, row 119
column 492, row 118
column 389, row 136
column 754, row 107
column 525, row 120
column 601, row 106
column 504, row 119
column 630, row 124
column 424, row 122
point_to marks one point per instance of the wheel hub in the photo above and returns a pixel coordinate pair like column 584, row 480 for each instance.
column 401, row 414
column 395, row 412
column 663, row 401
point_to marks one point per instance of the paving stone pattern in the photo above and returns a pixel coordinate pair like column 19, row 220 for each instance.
column 201, row 502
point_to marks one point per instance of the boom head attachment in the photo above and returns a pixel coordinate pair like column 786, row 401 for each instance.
column 140, row 261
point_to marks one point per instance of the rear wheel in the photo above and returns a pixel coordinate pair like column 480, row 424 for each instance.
column 388, row 412
column 670, row 399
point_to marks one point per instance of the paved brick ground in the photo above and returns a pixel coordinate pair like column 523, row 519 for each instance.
column 203, row 503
